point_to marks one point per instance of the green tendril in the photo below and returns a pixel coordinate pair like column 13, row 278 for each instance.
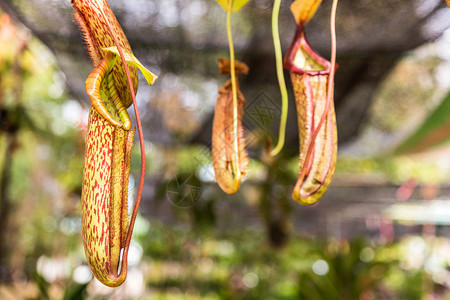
column 281, row 81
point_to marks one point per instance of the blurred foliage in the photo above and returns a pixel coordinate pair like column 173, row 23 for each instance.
column 393, row 169
column 42, row 142
column 394, row 104
column 183, row 264
column 432, row 133
column 44, row 149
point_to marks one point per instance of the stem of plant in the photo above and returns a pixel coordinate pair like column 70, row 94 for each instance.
column 329, row 89
column 280, row 76
column 233, row 87
column 141, row 143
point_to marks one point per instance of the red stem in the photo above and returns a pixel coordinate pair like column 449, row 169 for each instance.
column 141, row 142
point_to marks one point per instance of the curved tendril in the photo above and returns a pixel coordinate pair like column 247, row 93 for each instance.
column 329, row 89
column 280, row 76
column 235, row 166
column 142, row 146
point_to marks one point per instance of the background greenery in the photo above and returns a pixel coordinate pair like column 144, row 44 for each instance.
column 381, row 232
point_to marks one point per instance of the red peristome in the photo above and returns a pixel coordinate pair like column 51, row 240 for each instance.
column 300, row 42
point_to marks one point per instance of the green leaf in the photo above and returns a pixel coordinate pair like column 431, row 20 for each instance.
column 432, row 133
column 235, row 6
column 75, row 291
column 43, row 286
column 133, row 61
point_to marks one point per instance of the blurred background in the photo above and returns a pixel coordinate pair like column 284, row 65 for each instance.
column 380, row 232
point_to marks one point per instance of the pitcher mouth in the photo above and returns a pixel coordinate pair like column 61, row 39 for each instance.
column 302, row 59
